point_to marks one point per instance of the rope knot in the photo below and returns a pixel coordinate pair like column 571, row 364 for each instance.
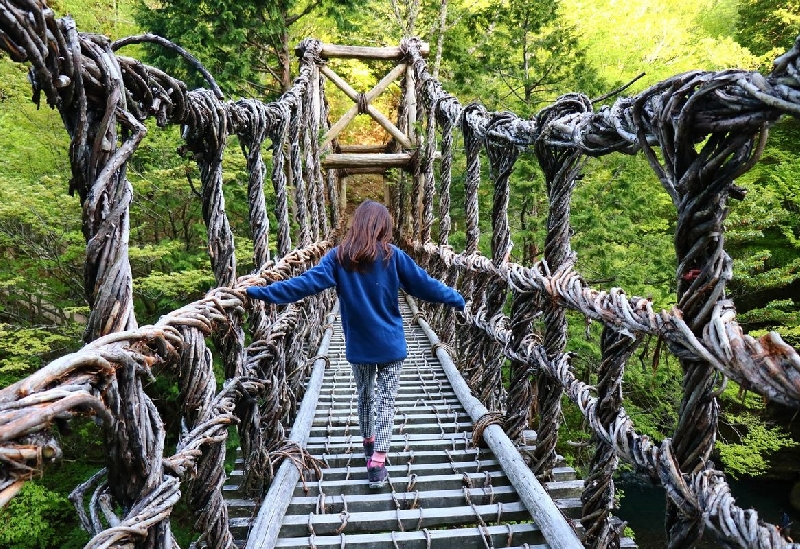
column 489, row 418
column 447, row 349
column 362, row 103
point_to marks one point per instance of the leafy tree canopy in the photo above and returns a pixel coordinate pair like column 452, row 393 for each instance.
column 244, row 44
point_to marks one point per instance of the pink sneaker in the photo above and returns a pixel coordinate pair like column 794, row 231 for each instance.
column 377, row 475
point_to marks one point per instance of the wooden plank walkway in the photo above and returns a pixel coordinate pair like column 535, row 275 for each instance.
column 442, row 491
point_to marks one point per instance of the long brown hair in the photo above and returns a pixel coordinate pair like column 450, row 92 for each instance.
column 369, row 234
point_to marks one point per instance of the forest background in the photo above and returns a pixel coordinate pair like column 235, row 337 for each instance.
column 516, row 55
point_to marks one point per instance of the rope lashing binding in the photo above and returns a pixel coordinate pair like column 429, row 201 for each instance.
column 447, row 349
column 362, row 103
column 489, row 418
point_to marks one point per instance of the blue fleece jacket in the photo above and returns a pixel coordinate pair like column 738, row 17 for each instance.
column 368, row 302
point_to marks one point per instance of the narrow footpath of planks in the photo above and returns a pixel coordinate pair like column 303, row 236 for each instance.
column 443, row 492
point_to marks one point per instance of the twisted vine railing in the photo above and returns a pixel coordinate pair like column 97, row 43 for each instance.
column 104, row 100
column 729, row 113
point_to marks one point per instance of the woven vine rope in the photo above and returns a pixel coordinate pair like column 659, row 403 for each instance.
column 732, row 107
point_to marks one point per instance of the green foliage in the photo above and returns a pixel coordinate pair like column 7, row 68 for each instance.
column 747, row 438
column 763, row 238
column 767, row 27
column 245, row 45
column 752, row 441
column 526, row 55
column 25, row 350
column 35, row 519
column 658, row 37
column 624, row 223
column 110, row 17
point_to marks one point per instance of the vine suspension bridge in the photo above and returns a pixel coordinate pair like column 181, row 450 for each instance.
column 465, row 467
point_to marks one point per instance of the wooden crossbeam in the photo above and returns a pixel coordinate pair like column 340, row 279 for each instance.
column 364, row 160
column 365, row 53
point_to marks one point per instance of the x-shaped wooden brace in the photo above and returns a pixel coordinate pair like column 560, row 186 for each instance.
column 365, row 101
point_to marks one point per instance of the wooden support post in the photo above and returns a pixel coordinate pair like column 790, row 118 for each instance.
column 342, row 194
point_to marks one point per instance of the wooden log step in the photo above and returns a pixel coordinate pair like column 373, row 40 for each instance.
column 397, row 437
column 409, row 370
column 400, row 428
column 399, row 458
column 427, row 375
column 359, row 471
column 463, row 538
column 564, row 477
column 405, row 391
column 405, row 520
column 323, row 417
column 379, row 502
column 242, row 508
column 399, row 444
column 404, row 398
column 571, row 507
column 564, row 488
column 403, row 484
column 336, row 464
column 401, row 402
column 342, row 384
column 442, row 408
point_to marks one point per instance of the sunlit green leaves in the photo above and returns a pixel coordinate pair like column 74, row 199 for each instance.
column 750, row 443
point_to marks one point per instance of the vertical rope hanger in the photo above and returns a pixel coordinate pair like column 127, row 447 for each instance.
column 426, row 167
column 400, row 207
column 296, row 172
column 251, row 122
column 330, row 177
column 279, row 184
column 99, row 176
column 560, row 166
column 700, row 183
column 599, row 492
column 315, row 123
column 472, row 128
column 446, row 320
column 520, row 392
column 445, row 171
column 205, row 138
column 417, row 176
column 309, row 169
column 501, row 161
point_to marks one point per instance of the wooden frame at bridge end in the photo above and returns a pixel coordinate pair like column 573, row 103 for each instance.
column 365, row 52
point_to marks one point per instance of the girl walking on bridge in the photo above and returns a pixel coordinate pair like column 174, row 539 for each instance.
column 368, row 271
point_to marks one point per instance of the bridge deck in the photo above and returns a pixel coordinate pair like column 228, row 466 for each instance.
column 443, row 492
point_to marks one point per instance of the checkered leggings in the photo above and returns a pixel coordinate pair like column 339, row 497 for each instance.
column 388, row 376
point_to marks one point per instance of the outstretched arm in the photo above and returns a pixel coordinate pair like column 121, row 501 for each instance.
column 318, row 278
column 420, row 284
